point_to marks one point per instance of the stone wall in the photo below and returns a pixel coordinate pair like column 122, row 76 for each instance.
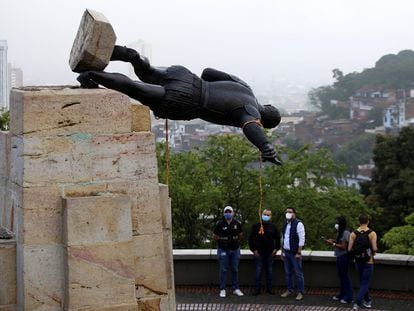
column 81, row 193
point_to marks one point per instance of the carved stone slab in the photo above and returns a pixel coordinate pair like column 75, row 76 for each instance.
column 94, row 43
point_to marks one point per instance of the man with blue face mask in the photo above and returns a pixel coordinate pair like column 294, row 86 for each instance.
column 228, row 233
column 264, row 245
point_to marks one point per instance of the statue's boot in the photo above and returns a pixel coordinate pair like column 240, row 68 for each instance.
column 124, row 54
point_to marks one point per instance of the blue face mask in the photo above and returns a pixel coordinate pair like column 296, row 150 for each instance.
column 228, row 216
column 265, row 217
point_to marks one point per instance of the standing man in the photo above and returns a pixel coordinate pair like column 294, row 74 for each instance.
column 228, row 233
column 363, row 246
column 264, row 246
column 293, row 242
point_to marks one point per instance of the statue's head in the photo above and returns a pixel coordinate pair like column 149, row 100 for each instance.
column 270, row 116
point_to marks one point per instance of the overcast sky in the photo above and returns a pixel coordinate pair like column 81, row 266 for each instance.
column 300, row 41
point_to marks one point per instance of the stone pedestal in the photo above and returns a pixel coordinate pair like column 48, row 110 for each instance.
column 81, row 193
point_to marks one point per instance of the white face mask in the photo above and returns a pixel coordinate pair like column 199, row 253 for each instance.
column 288, row 216
column 336, row 227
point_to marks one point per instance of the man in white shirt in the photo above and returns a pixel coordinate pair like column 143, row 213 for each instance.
column 293, row 242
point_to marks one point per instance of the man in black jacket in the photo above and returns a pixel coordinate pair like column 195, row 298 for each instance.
column 264, row 245
column 228, row 233
column 176, row 93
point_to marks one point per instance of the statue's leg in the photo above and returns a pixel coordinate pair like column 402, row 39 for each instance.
column 148, row 94
column 141, row 64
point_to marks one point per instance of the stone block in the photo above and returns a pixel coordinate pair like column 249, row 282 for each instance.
column 149, row 304
column 51, row 111
column 141, row 118
column 39, row 227
column 40, row 277
column 9, row 206
column 150, row 262
column 128, row 157
column 7, row 273
column 100, row 276
column 145, row 213
column 84, row 189
column 94, row 43
column 3, row 191
column 167, row 303
column 8, row 308
column 38, row 161
column 4, row 156
column 165, row 205
column 123, row 307
column 97, row 219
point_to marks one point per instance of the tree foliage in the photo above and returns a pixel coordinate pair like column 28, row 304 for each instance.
column 391, row 190
column 356, row 152
column 390, row 71
column 4, row 120
column 226, row 172
column 400, row 240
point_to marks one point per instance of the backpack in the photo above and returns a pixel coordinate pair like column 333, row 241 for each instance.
column 361, row 250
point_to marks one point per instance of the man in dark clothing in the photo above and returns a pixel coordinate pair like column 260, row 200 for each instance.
column 178, row 94
column 264, row 246
column 228, row 233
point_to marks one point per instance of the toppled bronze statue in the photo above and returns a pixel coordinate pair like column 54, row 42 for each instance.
column 176, row 93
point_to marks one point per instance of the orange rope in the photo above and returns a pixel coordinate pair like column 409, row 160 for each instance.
column 261, row 230
column 167, row 159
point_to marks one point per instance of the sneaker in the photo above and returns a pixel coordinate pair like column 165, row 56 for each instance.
column 223, row 293
column 343, row 301
column 367, row 304
column 336, row 298
column 299, row 296
column 286, row 294
column 355, row 307
column 238, row 292
column 256, row 292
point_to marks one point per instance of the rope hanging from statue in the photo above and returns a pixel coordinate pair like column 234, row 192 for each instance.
column 167, row 160
column 261, row 229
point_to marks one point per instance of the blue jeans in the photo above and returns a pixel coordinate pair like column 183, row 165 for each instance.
column 365, row 271
column 263, row 262
column 345, row 285
column 229, row 259
column 293, row 266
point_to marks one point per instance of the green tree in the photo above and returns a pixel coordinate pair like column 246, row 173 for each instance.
column 226, row 172
column 390, row 71
column 400, row 240
column 306, row 181
column 4, row 120
column 391, row 190
column 357, row 152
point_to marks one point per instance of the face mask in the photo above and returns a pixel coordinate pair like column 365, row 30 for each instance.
column 288, row 216
column 265, row 217
column 336, row 227
column 228, row 216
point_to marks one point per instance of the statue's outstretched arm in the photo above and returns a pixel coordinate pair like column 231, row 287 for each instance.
column 211, row 75
column 255, row 134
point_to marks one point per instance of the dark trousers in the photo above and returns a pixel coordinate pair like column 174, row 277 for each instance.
column 345, row 286
column 229, row 259
column 365, row 271
column 262, row 263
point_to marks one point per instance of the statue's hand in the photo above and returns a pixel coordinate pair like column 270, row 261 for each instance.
column 269, row 154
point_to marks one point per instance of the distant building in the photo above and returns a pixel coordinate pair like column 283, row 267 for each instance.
column 4, row 77
column 15, row 77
